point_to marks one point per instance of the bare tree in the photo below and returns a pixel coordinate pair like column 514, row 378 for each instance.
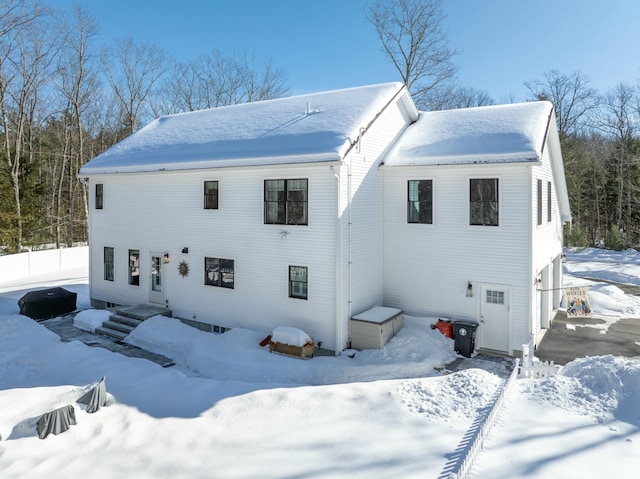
column 215, row 79
column 449, row 97
column 132, row 71
column 413, row 38
column 78, row 83
column 571, row 96
column 26, row 53
column 263, row 83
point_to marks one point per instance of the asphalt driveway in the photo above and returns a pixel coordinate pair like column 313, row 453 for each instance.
column 568, row 339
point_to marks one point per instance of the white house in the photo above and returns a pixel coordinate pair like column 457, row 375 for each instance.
column 308, row 210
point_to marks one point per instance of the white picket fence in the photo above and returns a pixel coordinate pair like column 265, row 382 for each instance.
column 464, row 471
column 531, row 367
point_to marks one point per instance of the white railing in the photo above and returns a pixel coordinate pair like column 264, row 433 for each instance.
column 531, row 367
column 476, row 445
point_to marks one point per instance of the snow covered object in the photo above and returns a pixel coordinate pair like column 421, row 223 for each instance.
column 291, row 341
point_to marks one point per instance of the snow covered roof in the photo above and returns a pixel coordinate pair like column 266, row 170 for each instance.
column 299, row 129
column 489, row 134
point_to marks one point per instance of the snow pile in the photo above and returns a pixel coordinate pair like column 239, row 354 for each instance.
column 601, row 387
column 457, row 396
column 383, row 413
column 236, row 355
column 90, row 319
column 290, row 336
column 595, row 263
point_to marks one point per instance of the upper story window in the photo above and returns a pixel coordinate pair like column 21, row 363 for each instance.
column 286, row 202
column 548, row 201
column 99, row 196
column 219, row 272
column 134, row 267
column 108, row 263
column 539, row 202
column 420, row 201
column 210, row 195
column 483, row 201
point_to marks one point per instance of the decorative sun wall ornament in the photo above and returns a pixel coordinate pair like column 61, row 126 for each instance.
column 183, row 269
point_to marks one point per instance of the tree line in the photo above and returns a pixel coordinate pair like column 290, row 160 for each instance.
column 64, row 98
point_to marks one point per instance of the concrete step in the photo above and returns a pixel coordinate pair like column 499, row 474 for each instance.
column 112, row 333
column 142, row 311
column 117, row 318
column 123, row 328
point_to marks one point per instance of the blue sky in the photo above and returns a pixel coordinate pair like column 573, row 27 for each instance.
column 327, row 44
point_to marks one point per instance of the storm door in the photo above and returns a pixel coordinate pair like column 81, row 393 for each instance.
column 156, row 286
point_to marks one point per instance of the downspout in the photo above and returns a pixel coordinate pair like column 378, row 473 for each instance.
column 349, row 299
column 86, row 180
column 338, row 257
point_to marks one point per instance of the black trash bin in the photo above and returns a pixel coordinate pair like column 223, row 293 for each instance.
column 464, row 337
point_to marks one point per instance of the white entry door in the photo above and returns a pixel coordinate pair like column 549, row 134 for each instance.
column 156, row 286
column 495, row 327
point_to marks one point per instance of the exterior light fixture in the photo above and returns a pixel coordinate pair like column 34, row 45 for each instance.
column 166, row 258
column 469, row 290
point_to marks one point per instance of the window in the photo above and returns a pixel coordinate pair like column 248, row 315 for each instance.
column 548, row 201
column 285, row 202
column 298, row 282
column 539, row 202
column 420, row 202
column 99, row 196
column 108, row 263
column 483, row 198
column 210, row 195
column 495, row 297
column 219, row 272
column 134, row 267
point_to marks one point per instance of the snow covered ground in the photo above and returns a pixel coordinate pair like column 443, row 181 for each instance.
column 230, row 409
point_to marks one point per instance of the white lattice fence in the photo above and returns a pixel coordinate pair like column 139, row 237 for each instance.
column 477, row 444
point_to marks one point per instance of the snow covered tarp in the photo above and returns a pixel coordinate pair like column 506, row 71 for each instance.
column 56, row 421
column 47, row 303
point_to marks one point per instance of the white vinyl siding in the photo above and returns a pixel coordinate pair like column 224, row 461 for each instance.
column 362, row 223
column 174, row 219
column 427, row 270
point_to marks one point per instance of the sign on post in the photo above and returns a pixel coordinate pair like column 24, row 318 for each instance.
column 576, row 300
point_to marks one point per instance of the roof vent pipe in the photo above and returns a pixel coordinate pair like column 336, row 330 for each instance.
column 308, row 108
